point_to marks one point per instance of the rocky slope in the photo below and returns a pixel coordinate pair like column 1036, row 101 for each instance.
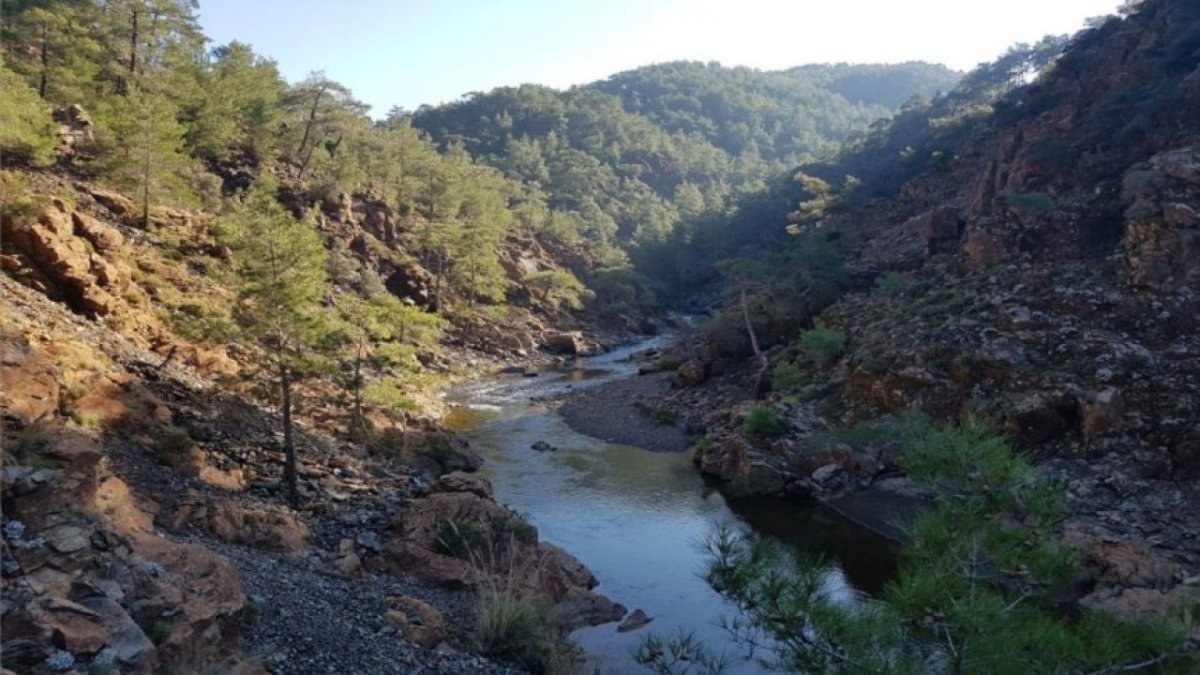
column 143, row 526
column 1045, row 279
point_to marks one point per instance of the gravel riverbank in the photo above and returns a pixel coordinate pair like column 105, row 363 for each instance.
column 623, row 411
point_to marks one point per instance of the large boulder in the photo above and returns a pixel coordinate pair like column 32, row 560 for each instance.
column 242, row 524
column 462, row 540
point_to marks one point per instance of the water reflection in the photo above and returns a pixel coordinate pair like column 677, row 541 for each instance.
column 637, row 519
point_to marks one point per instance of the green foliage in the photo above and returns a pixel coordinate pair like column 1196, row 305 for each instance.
column 1032, row 203
column 18, row 201
column 559, row 288
column 980, row 581
column 144, row 150
column 892, row 285
column 240, row 109
column 457, row 538
column 786, row 376
column 762, row 422
column 514, row 627
column 822, row 345
column 278, row 264
column 160, row 632
column 26, row 131
column 173, row 443
column 680, row 654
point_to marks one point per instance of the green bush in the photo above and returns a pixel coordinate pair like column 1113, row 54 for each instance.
column 823, row 345
column 26, row 130
column 173, row 443
column 516, row 628
column 983, row 579
column 787, row 375
column 457, row 538
column 892, row 285
column 763, row 423
column 1031, row 203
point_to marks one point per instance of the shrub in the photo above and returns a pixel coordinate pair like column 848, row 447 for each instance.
column 1031, row 203
column 823, row 345
column 516, row 628
column 892, row 285
column 173, row 443
column 26, row 132
column 787, row 375
column 763, row 423
column 982, row 580
column 517, row 526
column 457, row 538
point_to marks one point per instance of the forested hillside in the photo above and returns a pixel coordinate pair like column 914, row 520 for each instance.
column 627, row 159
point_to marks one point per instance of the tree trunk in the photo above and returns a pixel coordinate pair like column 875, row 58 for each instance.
column 133, row 38
column 308, row 127
column 146, row 180
column 289, row 446
column 45, row 60
column 760, row 378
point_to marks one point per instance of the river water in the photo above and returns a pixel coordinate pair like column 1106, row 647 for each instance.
column 638, row 519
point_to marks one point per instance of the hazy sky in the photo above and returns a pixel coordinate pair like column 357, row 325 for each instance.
column 409, row 52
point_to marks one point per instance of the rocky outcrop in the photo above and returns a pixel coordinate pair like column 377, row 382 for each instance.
column 458, row 537
column 84, row 573
column 1162, row 223
column 61, row 254
column 265, row 527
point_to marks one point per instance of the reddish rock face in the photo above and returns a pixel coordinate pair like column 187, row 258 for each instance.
column 237, row 523
column 1162, row 223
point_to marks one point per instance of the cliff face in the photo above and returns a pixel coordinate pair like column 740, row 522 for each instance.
column 1070, row 165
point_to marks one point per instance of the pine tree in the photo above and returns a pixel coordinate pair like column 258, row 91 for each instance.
column 279, row 268
column 145, row 148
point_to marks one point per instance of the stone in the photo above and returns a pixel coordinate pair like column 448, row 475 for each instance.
column 242, row 524
column 692, row 373
column 1101, row 413
column 564, row 342
column 76, row 628
column 105, row 238
column 419, row 621
column 459, row 481
column 636, row 619
column 129, row 643
column 120, row 205
column 543, row 446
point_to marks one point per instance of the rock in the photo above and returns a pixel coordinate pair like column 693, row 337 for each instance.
column 242, row 524
column 105, row 238
column 722, row 455
column 129, row 643
column 419, row 621
column 74, row 627
column 636, row 619
column 459, row 481
column 693, row 372
column 830, row 476
column 564, row 342
column 120, row 205
column 578, row 607
column 543, row 446
column 1101, row 413
column 349, row 564
column 28, row 387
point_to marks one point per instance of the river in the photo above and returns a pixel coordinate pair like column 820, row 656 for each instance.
column 638, row 519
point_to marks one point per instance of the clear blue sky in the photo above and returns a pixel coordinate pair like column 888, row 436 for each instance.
column 409, row 52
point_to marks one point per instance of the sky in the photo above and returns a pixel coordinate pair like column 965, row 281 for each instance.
column 411, row 52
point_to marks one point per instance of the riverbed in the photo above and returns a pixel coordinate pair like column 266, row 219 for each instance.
column 638, row 519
